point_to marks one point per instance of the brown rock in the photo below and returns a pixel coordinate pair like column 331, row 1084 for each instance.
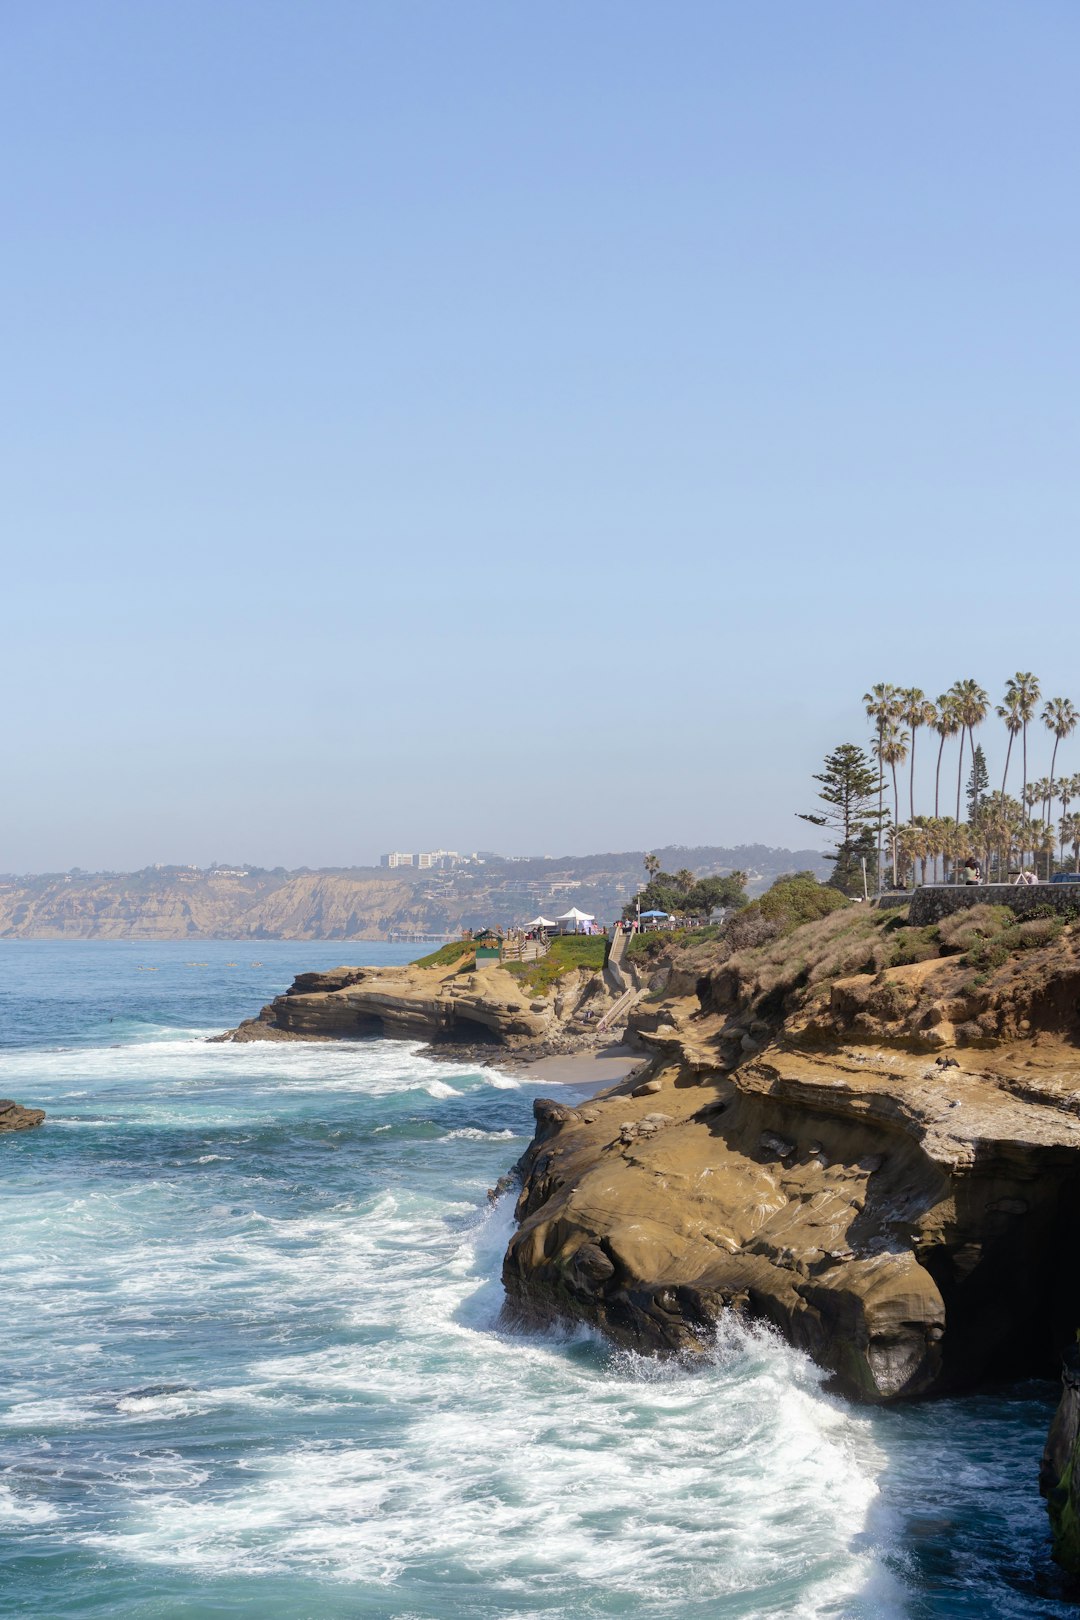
column 14, row 1117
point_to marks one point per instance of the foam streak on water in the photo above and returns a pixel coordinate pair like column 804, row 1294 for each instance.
column 254, row 1361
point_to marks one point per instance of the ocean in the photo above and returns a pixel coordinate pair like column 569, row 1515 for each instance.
column 253, row 1361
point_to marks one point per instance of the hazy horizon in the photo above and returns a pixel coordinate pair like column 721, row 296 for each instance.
column 510, row 856
column 515, row 429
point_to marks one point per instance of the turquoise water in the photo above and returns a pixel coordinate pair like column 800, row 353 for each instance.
column 253, row 1362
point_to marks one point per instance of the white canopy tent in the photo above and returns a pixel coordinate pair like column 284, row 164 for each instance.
column 576, row 918
column 541, row 922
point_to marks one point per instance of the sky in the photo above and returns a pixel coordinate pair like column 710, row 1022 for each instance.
column 527, row 428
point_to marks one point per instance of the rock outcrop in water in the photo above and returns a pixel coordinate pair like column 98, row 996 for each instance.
column 864, row 1133
column 14, row 1117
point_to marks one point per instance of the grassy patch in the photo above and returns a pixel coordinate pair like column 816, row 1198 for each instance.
column 647, row 947
column 566, row 952
column 446, row 955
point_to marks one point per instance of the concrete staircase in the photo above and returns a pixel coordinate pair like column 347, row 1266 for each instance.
column 621, row 1010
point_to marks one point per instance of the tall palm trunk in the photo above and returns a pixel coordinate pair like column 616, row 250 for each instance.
column 1008, row 755
column 1023, row 796
column 959, row 775
column 880, row 799
column 937, row 796
column 896, row 822
column 1046, row 806
column 911, row 774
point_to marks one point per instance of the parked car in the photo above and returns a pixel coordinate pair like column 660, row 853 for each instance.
column 1065, row 877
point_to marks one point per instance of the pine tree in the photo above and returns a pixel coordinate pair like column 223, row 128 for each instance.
column 977, row 784
column 849, row 784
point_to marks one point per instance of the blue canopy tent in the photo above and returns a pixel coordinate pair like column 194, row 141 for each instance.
column 654, row 914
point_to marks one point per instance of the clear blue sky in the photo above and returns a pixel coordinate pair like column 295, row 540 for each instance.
column 523, row 427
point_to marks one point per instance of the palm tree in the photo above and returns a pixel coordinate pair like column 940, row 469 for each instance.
column 652, row 865
column 892, row 751
column 1070, row 834
column 911, row 841
column 1060, row 717
column 971, row 705
column 1044, row 843
column 1009, row 711
column 1066, row 790
column 1037, row 793
column 1026, row 687
column 881, row 704
column 937, row 841
column 947, row 724
column 957, row 844
column 685, row 879
column 1000, row 821
column 916, row 710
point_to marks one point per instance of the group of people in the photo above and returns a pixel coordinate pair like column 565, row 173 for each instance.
column 971, row 872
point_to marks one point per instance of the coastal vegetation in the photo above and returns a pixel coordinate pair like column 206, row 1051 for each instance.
column 566, row 953
column 455, row 950
column 681, row 894
column 875, row 819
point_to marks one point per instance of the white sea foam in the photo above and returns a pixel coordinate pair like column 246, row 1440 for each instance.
column 16, row 1510
column 417, row 1436
column 469, row 1133
column 731, row 1480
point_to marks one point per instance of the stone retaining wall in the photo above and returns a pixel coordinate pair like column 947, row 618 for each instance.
column 929, row 905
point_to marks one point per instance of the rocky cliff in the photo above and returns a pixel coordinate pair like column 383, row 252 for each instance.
column 447, row 1003
column 864, row 1133
column 181, row 904
column 1059, row 1475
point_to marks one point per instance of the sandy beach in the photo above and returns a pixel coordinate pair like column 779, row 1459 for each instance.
column 596, row 1068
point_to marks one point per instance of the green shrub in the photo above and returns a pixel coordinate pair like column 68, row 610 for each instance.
column 1035, row 931
column 912, row 945
column 646, row 947
column 446, row 954
column 565, row 953
column 965, row 929
column 993, row 954
column 789, row 904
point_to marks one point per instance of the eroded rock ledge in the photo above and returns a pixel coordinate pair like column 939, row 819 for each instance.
column 435, row 1004
column 901, row 1226
column 900, row 1210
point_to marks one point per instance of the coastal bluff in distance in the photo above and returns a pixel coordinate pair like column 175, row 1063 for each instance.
column 374, row 903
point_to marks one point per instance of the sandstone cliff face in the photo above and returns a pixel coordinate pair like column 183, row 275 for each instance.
column 899, row 1219
column 201, row 905
column 438, row 1004
column 1059, row 1474
column 898, row 1226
